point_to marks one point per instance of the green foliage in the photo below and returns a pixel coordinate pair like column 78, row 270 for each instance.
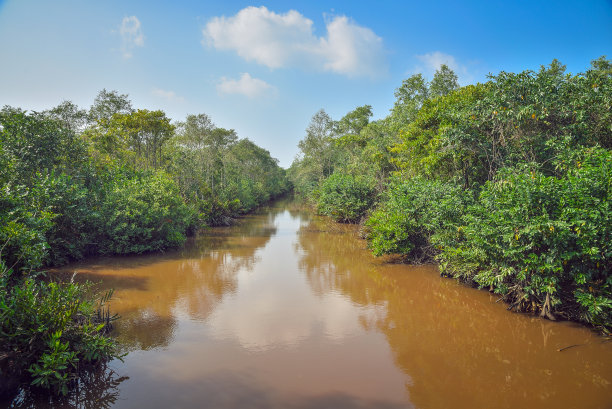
column 220, row 175
column 416, row 218
column 354, row 122
column 108, row 103
column 53, row 367
column 543, row 241
column 514, row 118
column 50, row 331
column 72, row 224
column 35, row 144
column 318, row 154
column 136, row 138
column 444, row 81
column 69, row 192
column 70, row 116
column 23, row 243
column 436, row 145
column 410, row 97
column 143, row 214
column 345, row 198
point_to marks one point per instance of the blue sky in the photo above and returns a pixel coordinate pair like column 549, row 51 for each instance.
column 265, row 68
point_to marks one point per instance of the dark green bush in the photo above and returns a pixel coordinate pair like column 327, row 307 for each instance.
column 73, row 226
column 543, row 242
column 345, row 198
column 143, row 214
column 416, row 217
column 23, row 244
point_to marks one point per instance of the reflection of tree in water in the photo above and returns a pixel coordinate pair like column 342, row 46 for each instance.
column 144, row 331
column 97, row 388
column 298, row 208
column 330, row 257
column 149, row 289
column 453, row 341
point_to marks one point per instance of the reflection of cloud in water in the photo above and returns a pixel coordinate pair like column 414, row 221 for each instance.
column 315, row 321
column 256, row 324
column 271, row 312
column 238, row 303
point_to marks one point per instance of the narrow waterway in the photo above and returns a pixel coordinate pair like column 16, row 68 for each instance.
column 289, row 310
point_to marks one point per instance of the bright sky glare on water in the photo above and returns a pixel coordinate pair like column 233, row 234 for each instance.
column 264, row 69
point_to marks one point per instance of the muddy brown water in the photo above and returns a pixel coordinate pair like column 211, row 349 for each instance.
column 289, row 310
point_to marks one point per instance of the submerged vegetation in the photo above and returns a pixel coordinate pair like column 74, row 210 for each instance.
column 505, row 184
column 110, row 180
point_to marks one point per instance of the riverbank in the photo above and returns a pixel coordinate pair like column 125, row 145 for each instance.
column 506, row 184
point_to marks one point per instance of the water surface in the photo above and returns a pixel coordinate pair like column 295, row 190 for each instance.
column 288, row 310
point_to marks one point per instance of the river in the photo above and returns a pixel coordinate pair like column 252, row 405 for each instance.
column 289, row 310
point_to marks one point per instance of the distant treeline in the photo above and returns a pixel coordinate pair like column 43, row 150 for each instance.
column 505, row 184
column 107, row 180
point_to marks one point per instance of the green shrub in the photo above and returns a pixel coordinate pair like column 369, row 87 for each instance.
column 49, row 332
column 416, row 217
column 143, row 214
column 23, row 243
column 345, row 198
column 72, row 229
column 543, row 242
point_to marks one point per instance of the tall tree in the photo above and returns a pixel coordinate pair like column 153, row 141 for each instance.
column 148, row 131
column 353, row 122
column 108, row 103
column 444, row 82
column 194, row 132
column 317, row 146
column 70, row 115
column 410, row 97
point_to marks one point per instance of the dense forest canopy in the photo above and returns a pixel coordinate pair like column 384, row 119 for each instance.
column 506, row 184
column 122, row 180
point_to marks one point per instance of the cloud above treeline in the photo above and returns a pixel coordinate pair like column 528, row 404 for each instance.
column 288, row 40
column 245, row 85
column 429, row 63
column 131, row 35
column 167, row 95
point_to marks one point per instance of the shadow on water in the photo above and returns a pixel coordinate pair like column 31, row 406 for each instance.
column 231, row 391
column 97, row 388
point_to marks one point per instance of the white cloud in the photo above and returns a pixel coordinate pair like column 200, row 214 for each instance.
column 430, row 63
column 287, row 40
column 351, row 49
column 131, row 35
column 168, row 95
column 246, row 85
